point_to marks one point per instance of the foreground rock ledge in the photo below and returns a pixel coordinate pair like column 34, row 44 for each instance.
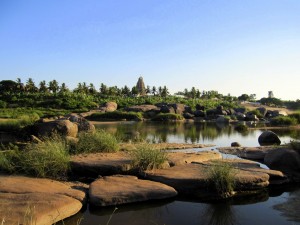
column 44, row 201
column 119, row 189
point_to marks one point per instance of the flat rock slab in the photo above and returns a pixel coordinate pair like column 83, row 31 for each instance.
column 103, row 164
column 180, row 158
column 44, row 200
column 106, row 164
column 36, row 208
column 22, row 185
column 119, row 189
column 192, row 179
column 253, row 153
column 164, row 146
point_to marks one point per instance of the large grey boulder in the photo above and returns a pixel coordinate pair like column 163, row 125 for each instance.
column 116, row 190
column 268, row 138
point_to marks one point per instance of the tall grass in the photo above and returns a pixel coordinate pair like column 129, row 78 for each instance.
column 146, row 157
column 221, row 178
column 116, row 115
column 168, row 117
column 99, row 141
column 18, row 123
column 49, row 158
column 284, row 121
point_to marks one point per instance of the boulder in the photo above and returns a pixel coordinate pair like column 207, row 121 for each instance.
column 235, row 144
column 285, row 160
column 178, row 108
column 188, row 115
column 240, row 110
column 82, row 123
column 141, row 108
column 268, row 138
column 116, row 190
column 263, row 111
column 200, row 107
column 63, row 127
column 251, row 117
column 167, row 109
column 43, row 200
column 110, row 106
column 222, row 119
column 199, row 113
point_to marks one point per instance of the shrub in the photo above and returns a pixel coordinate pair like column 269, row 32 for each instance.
column 283, row 121
column 221, row 178
column 241, row 127
column 296, row 115
column 49, row 158
column 257, row 113
column 117, row 115
column 99, row 141
column 167, row 117
column 145, row 157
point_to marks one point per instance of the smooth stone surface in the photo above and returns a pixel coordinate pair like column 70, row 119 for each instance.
column 268, row 138
column 119, row 189
column 180, row 158
column 36, row 208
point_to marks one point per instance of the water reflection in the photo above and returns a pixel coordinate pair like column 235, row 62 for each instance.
column 189, row 132
column 219, row 214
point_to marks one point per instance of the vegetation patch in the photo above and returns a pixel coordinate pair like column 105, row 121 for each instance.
column 168, row 117
column 146, row 157
column 283, row 121
column 49, row 158
column 221, row 178
column 241, row 127
column 116, row 115
column 296, row 116
column 99, row 141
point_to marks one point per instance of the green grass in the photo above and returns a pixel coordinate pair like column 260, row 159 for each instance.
column 296, row 115
column 221, row 178
column 241, row 127
column 116, row 115
column 99, row 141
column 18, row 123
column 145, row 157
column 168, row 117
column 283, row 121
column 49, row 158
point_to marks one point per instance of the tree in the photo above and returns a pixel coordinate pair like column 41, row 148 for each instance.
column 43, row 87
column 134, row 90
column 30, row 86
column 63, row 88
column 8, row 86
column 125, row 91
column 148, row 90
column 53, row 86
column 92, row 89
column 164, row 92
column 244, row 97
column 103, row 89
column 154, row 91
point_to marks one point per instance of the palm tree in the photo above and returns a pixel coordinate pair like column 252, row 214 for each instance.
column 42, row 87
column 53, row 86
column 30, row 86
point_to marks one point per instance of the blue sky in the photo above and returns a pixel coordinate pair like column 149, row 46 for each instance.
column 232, row 46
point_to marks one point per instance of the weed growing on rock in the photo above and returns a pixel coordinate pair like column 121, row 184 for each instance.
column 295, row 145
column 145, row 157
column 99, row 141
column 221, row 178
column 49, row 158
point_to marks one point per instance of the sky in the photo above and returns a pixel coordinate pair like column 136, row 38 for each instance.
column 234, row 47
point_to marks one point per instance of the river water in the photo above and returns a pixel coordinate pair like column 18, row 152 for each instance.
column 273, row 207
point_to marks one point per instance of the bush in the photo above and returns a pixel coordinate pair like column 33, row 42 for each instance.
column 49, row 158
column 145, row 157
column 241, row 127
column 296, row 116
column 99, row 141
column 221, row 178
column 283, row 121
column 116, row 115
column 168, row 117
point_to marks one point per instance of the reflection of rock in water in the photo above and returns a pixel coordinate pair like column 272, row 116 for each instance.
column 219, row 214
column 290, row 208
